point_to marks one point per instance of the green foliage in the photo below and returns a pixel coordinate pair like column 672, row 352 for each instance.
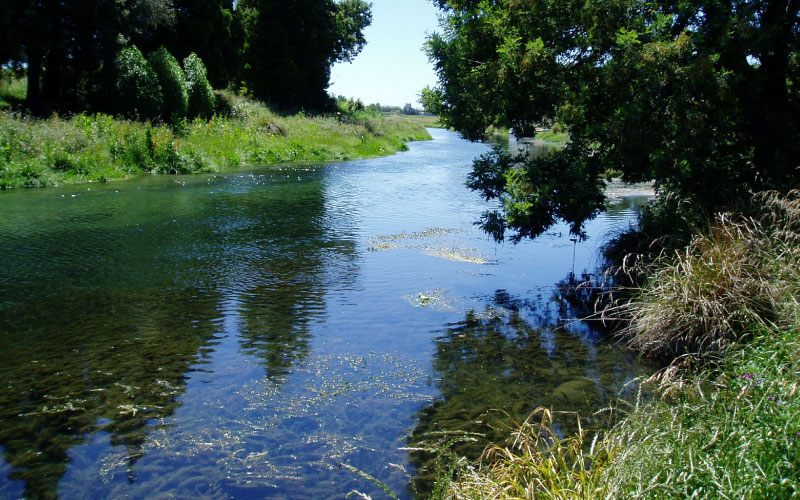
column 291, row 47
column 213, row 30
column 98, row 147
column 67, row 47
column 283, row 56
column 531, row 194
column 201, row 95
column 138, row 89
column 173, row 85
column 701, row 97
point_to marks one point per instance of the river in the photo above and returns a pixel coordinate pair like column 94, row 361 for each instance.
column 241, row 335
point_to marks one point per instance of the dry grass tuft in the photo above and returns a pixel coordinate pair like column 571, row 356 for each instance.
column 710, row 295
column 536, row 464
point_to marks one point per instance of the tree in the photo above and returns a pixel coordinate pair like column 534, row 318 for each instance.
column 137, row 85
column 212, row 29
column 172, row 82
column 201, row 95
column 67, row 45
column 291, row 45
column 699, row 95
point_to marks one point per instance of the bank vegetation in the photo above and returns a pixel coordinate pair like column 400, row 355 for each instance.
column 36, row 152
column 721, row 420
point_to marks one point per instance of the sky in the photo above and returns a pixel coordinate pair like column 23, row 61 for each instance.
column 392, row 69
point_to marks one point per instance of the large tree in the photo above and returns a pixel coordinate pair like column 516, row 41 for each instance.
column 212, row 29
column 65, row 44
column 291, row 46
column 699, row 95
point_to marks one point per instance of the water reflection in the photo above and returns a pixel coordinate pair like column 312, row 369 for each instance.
column 66, row 383
column 498, row 364
column 233, row 337
column 110, row 301
column 288, row 255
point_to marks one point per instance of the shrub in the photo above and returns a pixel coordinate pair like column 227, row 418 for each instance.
column 139, row 93
column 223, row 105
column 172, row 82
column 201, row 95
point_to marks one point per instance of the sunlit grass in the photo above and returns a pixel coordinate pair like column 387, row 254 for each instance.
column 41, row 152
column 12, row 90
column 535, row 463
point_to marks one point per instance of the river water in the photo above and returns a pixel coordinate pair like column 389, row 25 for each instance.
column 242, row 335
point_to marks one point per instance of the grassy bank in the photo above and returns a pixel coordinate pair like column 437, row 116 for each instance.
column 42, row 152
column 556, row 134
column 724, row 421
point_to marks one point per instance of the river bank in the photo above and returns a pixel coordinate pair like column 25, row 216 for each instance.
column 723, row 422
column 91, row 148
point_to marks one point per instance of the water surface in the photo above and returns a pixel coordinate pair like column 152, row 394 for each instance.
column 241, row 335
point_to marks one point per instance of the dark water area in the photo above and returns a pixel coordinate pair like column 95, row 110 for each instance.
column 241, row 335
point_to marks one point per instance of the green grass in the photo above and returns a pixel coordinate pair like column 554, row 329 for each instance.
column 730, row 432
column 554, row 137
column 43, row 152
column 556, row 134
column 723, row 420
column 12, row 90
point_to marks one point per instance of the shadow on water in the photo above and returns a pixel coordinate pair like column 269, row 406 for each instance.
column 231, row 337
column 499, row 364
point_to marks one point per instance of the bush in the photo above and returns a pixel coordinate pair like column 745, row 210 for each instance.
column 139, row 93
column 201, row 95
column 223, row 105
column 173, row 86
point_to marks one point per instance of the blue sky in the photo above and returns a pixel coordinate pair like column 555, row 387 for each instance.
column 392, row 69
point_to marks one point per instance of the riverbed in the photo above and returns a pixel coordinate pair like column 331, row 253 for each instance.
column 244, row 335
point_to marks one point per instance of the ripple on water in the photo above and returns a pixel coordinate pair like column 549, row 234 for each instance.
column 235, row 336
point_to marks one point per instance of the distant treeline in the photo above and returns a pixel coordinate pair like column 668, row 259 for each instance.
column 357, row 105
column 80, row 55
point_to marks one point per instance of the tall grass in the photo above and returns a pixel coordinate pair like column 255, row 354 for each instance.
column 739, row 275
column 536, row 463
column 724, row 421
column 729, row 433
column 41, row 152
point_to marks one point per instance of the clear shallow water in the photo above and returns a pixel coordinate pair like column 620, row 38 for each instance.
column 241, row 335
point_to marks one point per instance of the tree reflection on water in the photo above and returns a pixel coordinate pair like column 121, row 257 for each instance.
column 65, row 384
column 498, row 365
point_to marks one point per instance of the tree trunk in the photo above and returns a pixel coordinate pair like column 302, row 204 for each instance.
column 773, row 153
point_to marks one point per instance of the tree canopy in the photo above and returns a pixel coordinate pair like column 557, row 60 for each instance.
column 291, row 46
column 700, row 96
column 282, row 50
